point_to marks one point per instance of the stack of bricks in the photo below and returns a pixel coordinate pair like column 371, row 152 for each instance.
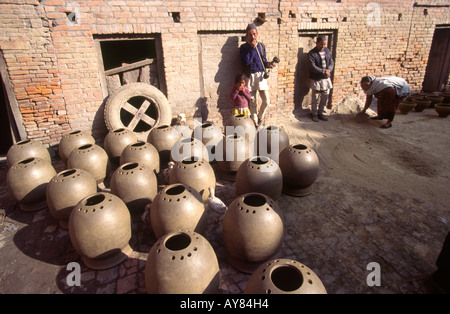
column 55, row 71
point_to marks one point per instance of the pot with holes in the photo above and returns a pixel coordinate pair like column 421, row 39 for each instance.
column 65, row 190
column 73, row 140
column 253, row 230
column 136, row 185
column 177, row 207
column 210, row 135
column 259, row 174
column 299, row 165
column 182, row 262
column 195, row 172
column 27, row 149
column 27, row 181
column 243, row 126
column 284, row 276
column 270, row 141
column 188, row 147
column 142, row 152
column 231, row 152
column 100, row 230
column 163, row 138
column 116, row 141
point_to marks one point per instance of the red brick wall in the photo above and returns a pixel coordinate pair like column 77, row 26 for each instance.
column 55, row 72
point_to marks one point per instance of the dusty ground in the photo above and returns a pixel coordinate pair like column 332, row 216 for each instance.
column 381, row 196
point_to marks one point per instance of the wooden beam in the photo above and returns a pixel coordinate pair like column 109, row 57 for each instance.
column 129, row 67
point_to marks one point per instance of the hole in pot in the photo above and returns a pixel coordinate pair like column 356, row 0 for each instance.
column 254, row 200
column 23, row 142
column 26, row 161
column 138, row 144
column 68, row 172
column 176, row 190
column 119, row 130
column 286, row 278
column 94, row 200
column 260, row 160
column 130, row 166
column 300, row 146
column 190, row 160
column 178, row 242
column 75, row 132
column 85, row 146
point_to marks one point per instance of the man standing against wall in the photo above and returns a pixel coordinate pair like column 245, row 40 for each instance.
column 254, row 61
column 321, row 66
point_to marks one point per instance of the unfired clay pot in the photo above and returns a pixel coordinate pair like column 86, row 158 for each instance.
column 116, row 141
column 27, row 181
column 299, row 165
column 284, row 276
column 231, row 152
column 163, row 138
column 27, row 149
column 73, row 140
column 443, row 110
column 142, row 152
column 136, row 185
column 268, row 136
column 91, row 158
column 406, row 107
column 422, row 104
column 100, row 230
column 210, row 135
column 65, row 190
column 197, row 173
column 259, row 174
column 435, row 99
column 253, row 230
column 182, row 262
column 188, row 147
column 243, row 126
column 177, row 207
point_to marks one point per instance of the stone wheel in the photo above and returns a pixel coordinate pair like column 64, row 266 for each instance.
column 138, row 107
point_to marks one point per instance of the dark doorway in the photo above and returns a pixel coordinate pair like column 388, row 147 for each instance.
column 438, row 66
column 5, row 127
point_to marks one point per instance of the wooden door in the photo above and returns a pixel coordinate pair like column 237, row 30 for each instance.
column 438, row 66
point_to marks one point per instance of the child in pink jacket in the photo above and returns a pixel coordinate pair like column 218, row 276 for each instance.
column 240, row 95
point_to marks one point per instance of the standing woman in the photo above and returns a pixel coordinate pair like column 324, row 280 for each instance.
column 389, row 91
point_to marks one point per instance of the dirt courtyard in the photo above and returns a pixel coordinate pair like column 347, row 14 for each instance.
column 382, row 196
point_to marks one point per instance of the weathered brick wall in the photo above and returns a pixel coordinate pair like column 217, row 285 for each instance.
column 55, row 71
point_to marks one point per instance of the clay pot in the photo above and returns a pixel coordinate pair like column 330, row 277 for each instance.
column 270, row 141
column 443, row 110
column 446, row 96
column 188, row 147
column 182, row 262
column 413, row 98
column 100, row 230
column 27, row 149
column 65, row 190
column 253, row 229
column 406, row 107
column 434, row 100
column 421, row 105
column 259, row 174
column 210, row 135
column 299, row 165
column 163, row 138
column 116, row 141
column 73, row 140
column 196, row 173
column 231, row 152
column 136, row 185
column 242, row 125
column 27, row 181
column 284, row 276
column 142, row 152
column 91, row 158
column 177, row 207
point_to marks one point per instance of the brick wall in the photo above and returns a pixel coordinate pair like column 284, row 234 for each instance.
column 55, row 72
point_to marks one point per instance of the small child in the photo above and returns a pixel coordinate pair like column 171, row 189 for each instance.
column 240, row 95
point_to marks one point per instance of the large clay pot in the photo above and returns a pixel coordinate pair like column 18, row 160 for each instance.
column 182, row 262
column 65, row 190
column 259, row 174
column 27, row 181
column 284, row 276
column 188, row 147
column 142, row 152
column 422, row 104
column 446, row 96
column 100, row 230
column 406, row 107
column 136, row 185
column 435, row 99
column 210, row 135
column 91, row 158
column 177, row 207
column 27, row 149
column 73, row 140
column 443, row 110
column 270, row 141
column 196, row 173
column 299, row 165
column 242, row 125
column 231, row 152
column 116, row 141
column 253, row 230
column 163, row 138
